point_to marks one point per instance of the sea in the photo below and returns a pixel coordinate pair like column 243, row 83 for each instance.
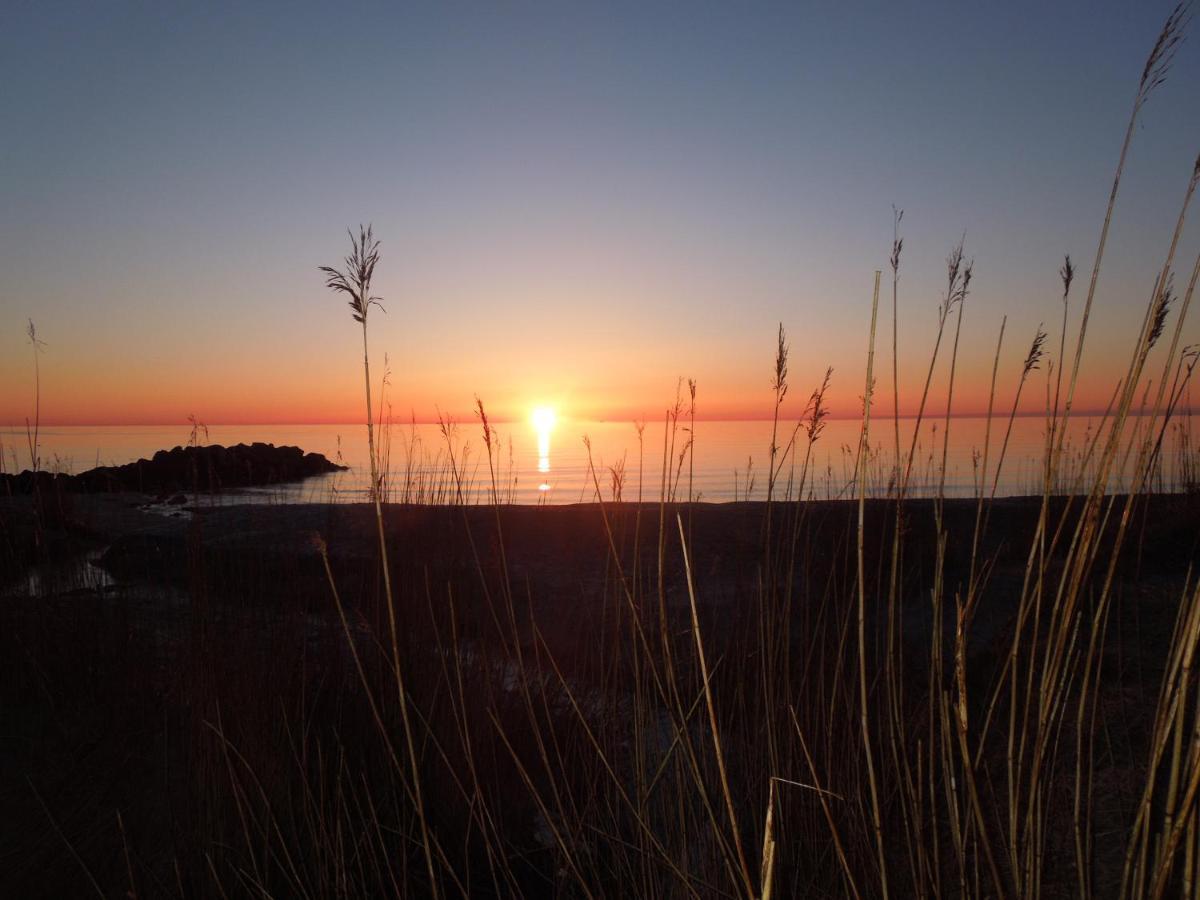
column 578, row 461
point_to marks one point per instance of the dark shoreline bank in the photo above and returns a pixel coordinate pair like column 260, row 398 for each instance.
column 222, row 618
column 149, row 541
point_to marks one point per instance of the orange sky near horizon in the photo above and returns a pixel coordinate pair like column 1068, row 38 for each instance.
column 81, row 386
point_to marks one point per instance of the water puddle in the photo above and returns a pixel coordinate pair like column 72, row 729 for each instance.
column 77, row 573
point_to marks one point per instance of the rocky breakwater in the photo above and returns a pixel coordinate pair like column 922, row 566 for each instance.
column 193, row 469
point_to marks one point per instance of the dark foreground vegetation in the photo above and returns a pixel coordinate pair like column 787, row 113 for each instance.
column 202, row 723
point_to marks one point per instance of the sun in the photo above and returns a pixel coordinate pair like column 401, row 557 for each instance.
column 543, row 418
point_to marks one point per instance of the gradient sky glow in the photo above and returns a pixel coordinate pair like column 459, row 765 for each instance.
column 576, row 205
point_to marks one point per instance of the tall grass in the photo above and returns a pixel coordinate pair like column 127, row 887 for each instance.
column 968, row 767
column 355, row 282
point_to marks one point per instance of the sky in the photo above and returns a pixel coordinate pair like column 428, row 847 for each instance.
column 578, row 203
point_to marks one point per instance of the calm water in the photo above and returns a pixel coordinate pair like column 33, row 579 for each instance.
column 730, row 460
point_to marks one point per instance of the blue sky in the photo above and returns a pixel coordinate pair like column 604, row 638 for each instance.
column 577, row 204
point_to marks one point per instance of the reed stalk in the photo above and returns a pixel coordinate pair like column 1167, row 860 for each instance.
column 355, row 282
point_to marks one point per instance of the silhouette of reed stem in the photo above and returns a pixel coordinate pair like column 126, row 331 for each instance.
column 355, row 282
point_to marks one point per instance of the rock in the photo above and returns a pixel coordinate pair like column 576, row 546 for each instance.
column 193, row 469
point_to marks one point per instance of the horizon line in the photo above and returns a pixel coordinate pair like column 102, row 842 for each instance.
column 24, row 427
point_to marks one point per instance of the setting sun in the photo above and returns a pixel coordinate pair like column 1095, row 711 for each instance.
column 543, row 418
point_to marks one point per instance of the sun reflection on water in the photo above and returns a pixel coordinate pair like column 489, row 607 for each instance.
column 543, row 418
